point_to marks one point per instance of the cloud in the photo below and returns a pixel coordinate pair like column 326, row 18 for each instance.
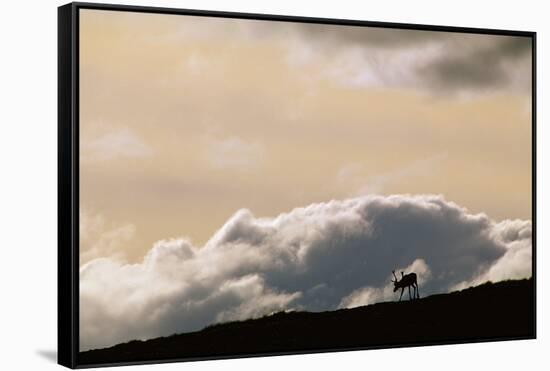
column 234, row 153
column 516, row 235
column 436, row 62
column 356, row 175
column 120, row 143
column 319, row 257
column 99, row 239
column 324, row 36
column 488, row 65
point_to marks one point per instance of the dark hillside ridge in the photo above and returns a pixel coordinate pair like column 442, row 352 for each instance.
column 492, row 311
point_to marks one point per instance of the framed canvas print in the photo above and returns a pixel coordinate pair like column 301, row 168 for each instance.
column 235, row 185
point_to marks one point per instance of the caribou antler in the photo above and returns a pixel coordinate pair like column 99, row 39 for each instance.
column 394, row 276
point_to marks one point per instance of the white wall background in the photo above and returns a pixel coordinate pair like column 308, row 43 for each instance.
column 28, row 174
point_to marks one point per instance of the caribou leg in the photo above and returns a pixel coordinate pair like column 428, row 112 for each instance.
column 400, row 296
column 410, row 297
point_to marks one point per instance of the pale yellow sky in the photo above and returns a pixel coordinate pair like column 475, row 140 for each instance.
column 185, row 120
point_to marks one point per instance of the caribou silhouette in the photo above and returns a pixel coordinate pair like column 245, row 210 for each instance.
column 407, row 280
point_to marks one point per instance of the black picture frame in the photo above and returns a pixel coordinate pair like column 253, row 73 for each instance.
column 68, row 168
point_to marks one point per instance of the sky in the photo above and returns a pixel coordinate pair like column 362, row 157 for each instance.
column 232, row 168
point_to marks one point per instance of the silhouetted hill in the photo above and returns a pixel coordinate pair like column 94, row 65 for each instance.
column 502, row 310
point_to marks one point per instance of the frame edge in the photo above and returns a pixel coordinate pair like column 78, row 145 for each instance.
column 297, row 19
column 534, row 187
column 67, row 289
